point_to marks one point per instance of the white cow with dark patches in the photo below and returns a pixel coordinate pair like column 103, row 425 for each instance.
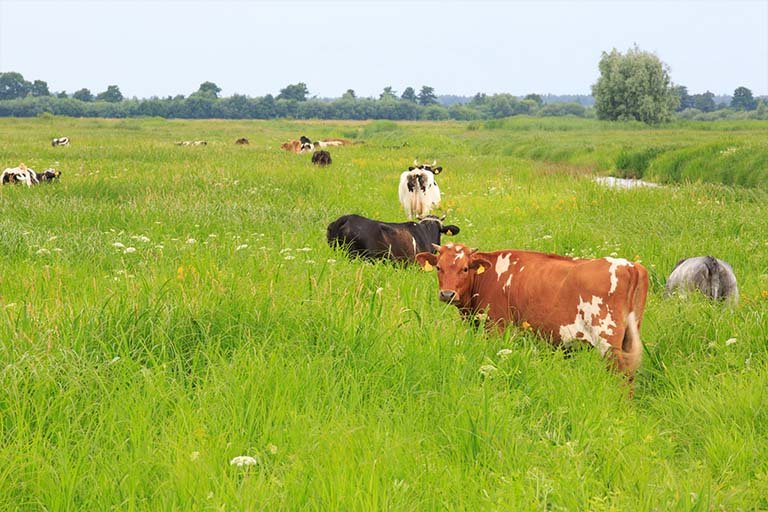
column 709, row 275
column 418, row 190
column 60, row 141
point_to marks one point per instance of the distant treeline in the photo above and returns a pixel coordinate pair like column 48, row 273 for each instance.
column 21, row 98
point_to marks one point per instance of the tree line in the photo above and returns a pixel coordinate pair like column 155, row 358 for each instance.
column 631, row 86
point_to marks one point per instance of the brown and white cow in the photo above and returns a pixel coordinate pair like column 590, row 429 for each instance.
column 566, row 300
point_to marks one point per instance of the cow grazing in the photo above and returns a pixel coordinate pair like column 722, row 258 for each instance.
column 567, row 300
column 60, row 141
column 48, row 175
column 20, row 174
column 709, row 275
column 371, row 239
column 418, row 190
column 242, row 141
column 321, row 158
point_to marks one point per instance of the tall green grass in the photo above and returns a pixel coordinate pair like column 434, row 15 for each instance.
column 130, row 378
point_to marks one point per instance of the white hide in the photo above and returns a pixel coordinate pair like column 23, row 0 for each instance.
column 419, row 202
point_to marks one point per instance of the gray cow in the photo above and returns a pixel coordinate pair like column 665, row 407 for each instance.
column 711, row 276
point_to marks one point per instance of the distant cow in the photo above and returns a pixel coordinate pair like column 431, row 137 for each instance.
column 711, row 276
column 296, row 146
column 372, row 239
column 20, row 174
column 242, row 141
column 60, row 141
column 418, row 190
column 192, row 143
column 48, row 175
column 566, row 300
column 327, row 143
column 321, row 158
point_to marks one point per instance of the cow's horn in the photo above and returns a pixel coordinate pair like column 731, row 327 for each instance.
column 416, row 162
column 434, row 163
column 472, row 250
column 436, row 247
column 442, row 217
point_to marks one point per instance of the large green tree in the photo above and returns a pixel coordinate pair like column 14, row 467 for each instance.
column 111, row 95
column 13, row 85
column 409, row 95
column 704, row 102
column 295, row 92
column 39, row 88
column 685, row 100
column 208, row 90
column 634, row 86
column 388, row 94
column 743, row 99
column 427, row 96
column 83, row 95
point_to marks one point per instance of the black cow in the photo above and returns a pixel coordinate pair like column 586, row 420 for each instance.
column 321, row 158
column 242, row 141
column 48, row 175
column 372, row 239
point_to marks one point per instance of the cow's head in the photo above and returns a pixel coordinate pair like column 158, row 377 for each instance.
column 433, row 168
column 456, row 265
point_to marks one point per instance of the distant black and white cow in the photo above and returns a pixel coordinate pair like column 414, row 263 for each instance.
column 60, row 141
column 372, row 239
column 20, row 174
column 711, row 276
column 192, row 143
column 48, row 175
column 418, row 190
column 306, row 144
column 321, row 158
column 27, row 176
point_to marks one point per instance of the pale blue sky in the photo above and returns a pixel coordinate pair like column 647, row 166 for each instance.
column 255, row 48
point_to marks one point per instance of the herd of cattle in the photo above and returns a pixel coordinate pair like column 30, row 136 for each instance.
column 566, row 300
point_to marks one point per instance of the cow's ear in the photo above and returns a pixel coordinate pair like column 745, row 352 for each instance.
column 450, row 230
column 480, row 265
column 410, row 168
column 426, row 260
column 437, row 170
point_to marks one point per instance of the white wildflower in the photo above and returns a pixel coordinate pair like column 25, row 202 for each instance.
column 331, row 261
column 289, row 257
column 113, row 361
column 487, row 370
column 129, row 250
column 57, row 249
column 310, row 262
column 42, row 250
column 504, row 353
column 191, row 240
column 54, row 237
column 212, row 235
column 243, row 460
column 287, row 249
column 160, row 246
column 272, row 449
column 141, row 238
column 194, row 456
column 304, row 249
column 730, row 341
column 546, row 237
column 118, row 245
column 241, row 247
column 379, row 290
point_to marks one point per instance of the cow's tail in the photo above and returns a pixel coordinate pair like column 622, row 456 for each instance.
column 631, row 346
column 713, row 277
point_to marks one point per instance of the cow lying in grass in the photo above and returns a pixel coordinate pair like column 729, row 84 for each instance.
column 565, row 300
column 418, row 190
column 192, row 143
column 27, row 176
column 60, row 141
column 321, row 158
column 372, row 239
column 711, row 276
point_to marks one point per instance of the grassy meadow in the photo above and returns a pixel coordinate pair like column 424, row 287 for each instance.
column 165, row 309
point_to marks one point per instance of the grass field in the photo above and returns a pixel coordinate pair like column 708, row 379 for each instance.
column 165, row 309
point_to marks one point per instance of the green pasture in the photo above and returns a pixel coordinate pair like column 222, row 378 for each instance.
column 165, row 309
